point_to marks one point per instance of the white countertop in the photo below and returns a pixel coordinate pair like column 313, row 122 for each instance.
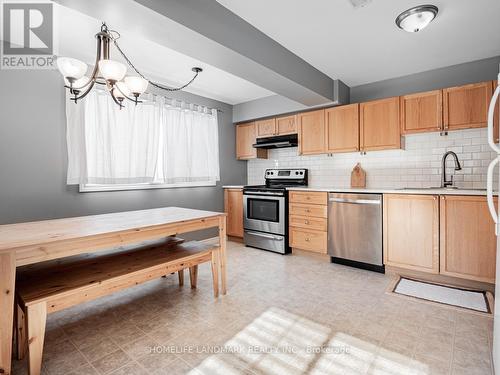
column 394, row 191
column 383, row 190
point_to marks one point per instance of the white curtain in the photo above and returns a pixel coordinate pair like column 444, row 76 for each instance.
column 153, row 142
column 191, row 152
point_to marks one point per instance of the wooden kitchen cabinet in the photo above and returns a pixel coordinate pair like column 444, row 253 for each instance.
column 379, row 125
column 342, row 128
column 496, row 119
column 312, row 132
column 466, row 106
column 233, row 206
column 308, row 220
column 422, row 112
column 411, row 232
column 307, row 239
column 245, row 138
column 286, row 125
column 266, row 128
column 467, row 238
column 309, row 197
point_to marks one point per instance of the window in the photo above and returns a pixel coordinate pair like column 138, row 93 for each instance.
column 152, row 145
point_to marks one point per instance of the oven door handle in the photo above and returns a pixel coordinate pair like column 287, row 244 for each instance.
column 262, row 194
column 268, row 236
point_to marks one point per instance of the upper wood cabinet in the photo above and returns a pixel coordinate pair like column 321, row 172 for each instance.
column 422, row 112
column 496, row 120
column 468, row 241
column 286, row 125
column 379, row 124
column 245, row 138
column 466, row 106
column 276, row 126
column 342, row 128
column 266, row 128
column 233, row 206
column 312, row 132
column 411, row 232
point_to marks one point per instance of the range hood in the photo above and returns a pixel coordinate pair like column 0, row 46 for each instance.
column 279, row 141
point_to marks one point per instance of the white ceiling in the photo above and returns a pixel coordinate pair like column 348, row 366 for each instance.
column 364, row 45
column 75, row 38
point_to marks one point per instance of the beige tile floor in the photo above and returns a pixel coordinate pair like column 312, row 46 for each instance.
column 282, row 315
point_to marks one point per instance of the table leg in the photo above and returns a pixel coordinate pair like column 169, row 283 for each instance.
column 7, row 284
column 222, row 254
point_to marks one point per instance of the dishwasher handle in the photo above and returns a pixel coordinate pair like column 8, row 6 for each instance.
column 356, row 201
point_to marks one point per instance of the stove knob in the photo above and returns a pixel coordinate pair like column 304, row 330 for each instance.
column 301, row 172
column 296, row 172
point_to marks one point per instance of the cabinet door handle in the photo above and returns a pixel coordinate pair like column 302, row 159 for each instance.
column 307, row 222
column 307, row 239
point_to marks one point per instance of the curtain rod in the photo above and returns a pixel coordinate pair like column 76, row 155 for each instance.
column 172, row 99
column 188, row 103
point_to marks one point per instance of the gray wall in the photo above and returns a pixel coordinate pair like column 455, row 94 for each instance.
column 33, row 158
column 476, row 71
column 455, row 75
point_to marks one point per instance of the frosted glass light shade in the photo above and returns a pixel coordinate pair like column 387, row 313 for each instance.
column 112, row 70
column 79, row 83
column 136, row 85
column 121, row 91
column 415, row 19
column 71, row 68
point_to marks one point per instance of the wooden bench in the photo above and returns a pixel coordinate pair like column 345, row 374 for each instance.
column 46, row 289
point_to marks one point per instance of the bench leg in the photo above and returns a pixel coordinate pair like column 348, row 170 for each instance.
column 36, row 318
column 193, row 275
column 22, row 343
column 215, row 272
column 181, row 277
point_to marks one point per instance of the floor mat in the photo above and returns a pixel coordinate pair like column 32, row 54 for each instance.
column 469, row 299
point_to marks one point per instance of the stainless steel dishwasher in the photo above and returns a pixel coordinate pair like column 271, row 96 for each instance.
column 355, row 230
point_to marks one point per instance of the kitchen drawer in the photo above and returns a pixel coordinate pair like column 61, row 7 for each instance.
column 312, row 240
column 310, row 197
column 308, row 222
column 308, row 210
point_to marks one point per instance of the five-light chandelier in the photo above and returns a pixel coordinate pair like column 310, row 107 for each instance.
column 109, row 72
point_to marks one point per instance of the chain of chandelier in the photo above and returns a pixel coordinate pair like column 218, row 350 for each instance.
column 109, row 72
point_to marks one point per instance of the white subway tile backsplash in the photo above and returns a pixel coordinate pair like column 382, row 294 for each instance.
column 418, row 165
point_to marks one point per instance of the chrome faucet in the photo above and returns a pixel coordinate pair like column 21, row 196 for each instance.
column 444, row 181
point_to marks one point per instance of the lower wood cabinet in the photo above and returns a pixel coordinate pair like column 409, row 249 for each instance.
column 452, row 235
column 468, row 241
column 411, row 232
column 310, row 240
column 308, row 220
column 233, row 206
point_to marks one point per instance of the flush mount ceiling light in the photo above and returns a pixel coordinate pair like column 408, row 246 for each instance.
column 416, row 18
column 109, row 72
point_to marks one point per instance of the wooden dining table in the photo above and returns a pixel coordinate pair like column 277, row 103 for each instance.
column 28, row 243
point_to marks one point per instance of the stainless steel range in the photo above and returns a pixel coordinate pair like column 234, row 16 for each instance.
column 265, row 209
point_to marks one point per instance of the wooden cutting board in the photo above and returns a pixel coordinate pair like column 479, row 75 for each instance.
column 358, row 177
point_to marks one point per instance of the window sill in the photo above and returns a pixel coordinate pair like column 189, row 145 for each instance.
column 87, row 188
